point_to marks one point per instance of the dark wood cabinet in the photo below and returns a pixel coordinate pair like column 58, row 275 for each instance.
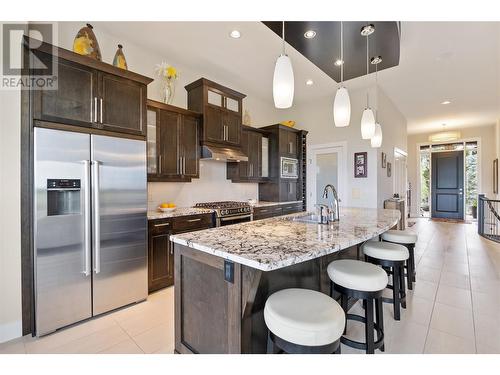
column 160, row 255
column 161, row 249
column 288, row 190
column 72, row 103
column 222, row 112
column 232, row 122
column 173, row 143
column 267, row 212
column 91, row 94
column 290, row 143
column 251, row 170
column 122, row 105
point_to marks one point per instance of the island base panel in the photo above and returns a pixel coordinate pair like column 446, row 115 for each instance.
column 213, row 315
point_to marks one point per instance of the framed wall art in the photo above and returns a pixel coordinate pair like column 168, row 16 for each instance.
column 384, row 159
column 389, row 169
column 360, row 164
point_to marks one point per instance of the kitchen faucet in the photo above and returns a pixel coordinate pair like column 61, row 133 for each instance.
column 333, row 212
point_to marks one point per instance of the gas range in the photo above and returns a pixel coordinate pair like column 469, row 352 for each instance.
column 229, row 212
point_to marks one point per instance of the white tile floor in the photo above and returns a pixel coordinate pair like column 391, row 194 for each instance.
column 454, row 308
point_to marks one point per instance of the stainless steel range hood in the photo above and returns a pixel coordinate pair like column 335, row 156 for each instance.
column 222, row 154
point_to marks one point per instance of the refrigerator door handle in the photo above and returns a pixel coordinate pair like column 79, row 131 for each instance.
column 97, row 224
column 87, row 233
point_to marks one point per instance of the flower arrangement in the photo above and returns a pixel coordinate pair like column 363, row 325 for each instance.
column 168, row 74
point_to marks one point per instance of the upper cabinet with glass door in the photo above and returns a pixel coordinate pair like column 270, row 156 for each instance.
column 222, row 112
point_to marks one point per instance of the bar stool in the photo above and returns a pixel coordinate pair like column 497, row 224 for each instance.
column 303, row 321
column 392, row 258
column 364, row 281
column 408, row 240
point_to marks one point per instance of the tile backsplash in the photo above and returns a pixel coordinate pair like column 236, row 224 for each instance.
column 211, row 186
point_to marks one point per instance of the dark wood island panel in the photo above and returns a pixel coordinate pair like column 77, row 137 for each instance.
column 213, row 315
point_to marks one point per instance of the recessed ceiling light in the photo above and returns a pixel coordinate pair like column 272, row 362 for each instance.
column 235, row 34
column 368, row 29
column 446, row 102
column 309, row 34
column 338, row 62
column 309, row 82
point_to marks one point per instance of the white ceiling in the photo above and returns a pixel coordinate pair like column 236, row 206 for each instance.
column 455, row 61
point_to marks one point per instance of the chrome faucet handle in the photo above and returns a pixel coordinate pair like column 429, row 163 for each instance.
column 322, row 213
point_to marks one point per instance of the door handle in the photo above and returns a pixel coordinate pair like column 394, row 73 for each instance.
column 193, row 220
column 100, row 108
column 95, row 108
column 86, row 217
column 97, row 224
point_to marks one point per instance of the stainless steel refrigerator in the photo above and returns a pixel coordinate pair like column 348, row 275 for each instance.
column 90, row 227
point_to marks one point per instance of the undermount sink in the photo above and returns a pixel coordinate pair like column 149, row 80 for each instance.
column 310, row 218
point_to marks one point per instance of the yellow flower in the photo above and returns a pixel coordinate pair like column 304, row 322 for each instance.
column 171, row 72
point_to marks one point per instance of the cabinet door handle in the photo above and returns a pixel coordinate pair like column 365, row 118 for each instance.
column 162, row 225
column 159, row 164
column 193, row 220
column 95, row 108
column 100, row 107
column 183, row 165
column 171, row 249
column 260, row 211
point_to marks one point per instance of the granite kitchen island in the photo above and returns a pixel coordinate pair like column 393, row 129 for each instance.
column 224, row 275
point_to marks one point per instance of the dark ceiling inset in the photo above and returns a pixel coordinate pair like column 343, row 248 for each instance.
column 324, row 48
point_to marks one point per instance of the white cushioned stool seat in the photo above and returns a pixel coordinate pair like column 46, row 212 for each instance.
column 357, row 275
column 304, row 317
column 386, row 251
column 400, row 236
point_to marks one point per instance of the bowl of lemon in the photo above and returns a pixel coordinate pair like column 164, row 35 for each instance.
column 167, row 207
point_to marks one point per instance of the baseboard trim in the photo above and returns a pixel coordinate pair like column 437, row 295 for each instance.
column 11, row 330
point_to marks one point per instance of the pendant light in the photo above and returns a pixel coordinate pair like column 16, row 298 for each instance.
column 376, row 140
column 283, row 80
column 367, row 119
column 342, row 102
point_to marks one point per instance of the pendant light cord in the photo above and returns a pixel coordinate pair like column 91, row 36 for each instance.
column 341, row 53
column 376, row 87
column 367, row 70
column 283, row 34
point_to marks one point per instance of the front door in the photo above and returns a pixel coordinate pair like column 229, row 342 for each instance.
column 448, row 185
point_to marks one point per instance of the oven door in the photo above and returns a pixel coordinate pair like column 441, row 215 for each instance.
column 229, row 220
column 289, row 168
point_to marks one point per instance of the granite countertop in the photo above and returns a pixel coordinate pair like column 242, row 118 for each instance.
column 279, row 242
column 180, row 211
column 267, row 204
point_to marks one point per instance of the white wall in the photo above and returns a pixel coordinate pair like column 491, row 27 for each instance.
column 317, row 118
column 487, row 145
column 10, row 205
column 394, row 130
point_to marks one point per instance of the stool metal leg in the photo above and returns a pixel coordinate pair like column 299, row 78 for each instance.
column 402, row 287
column 396, row 296
column 379, row 315
column 370, row 340
column 343, row 303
